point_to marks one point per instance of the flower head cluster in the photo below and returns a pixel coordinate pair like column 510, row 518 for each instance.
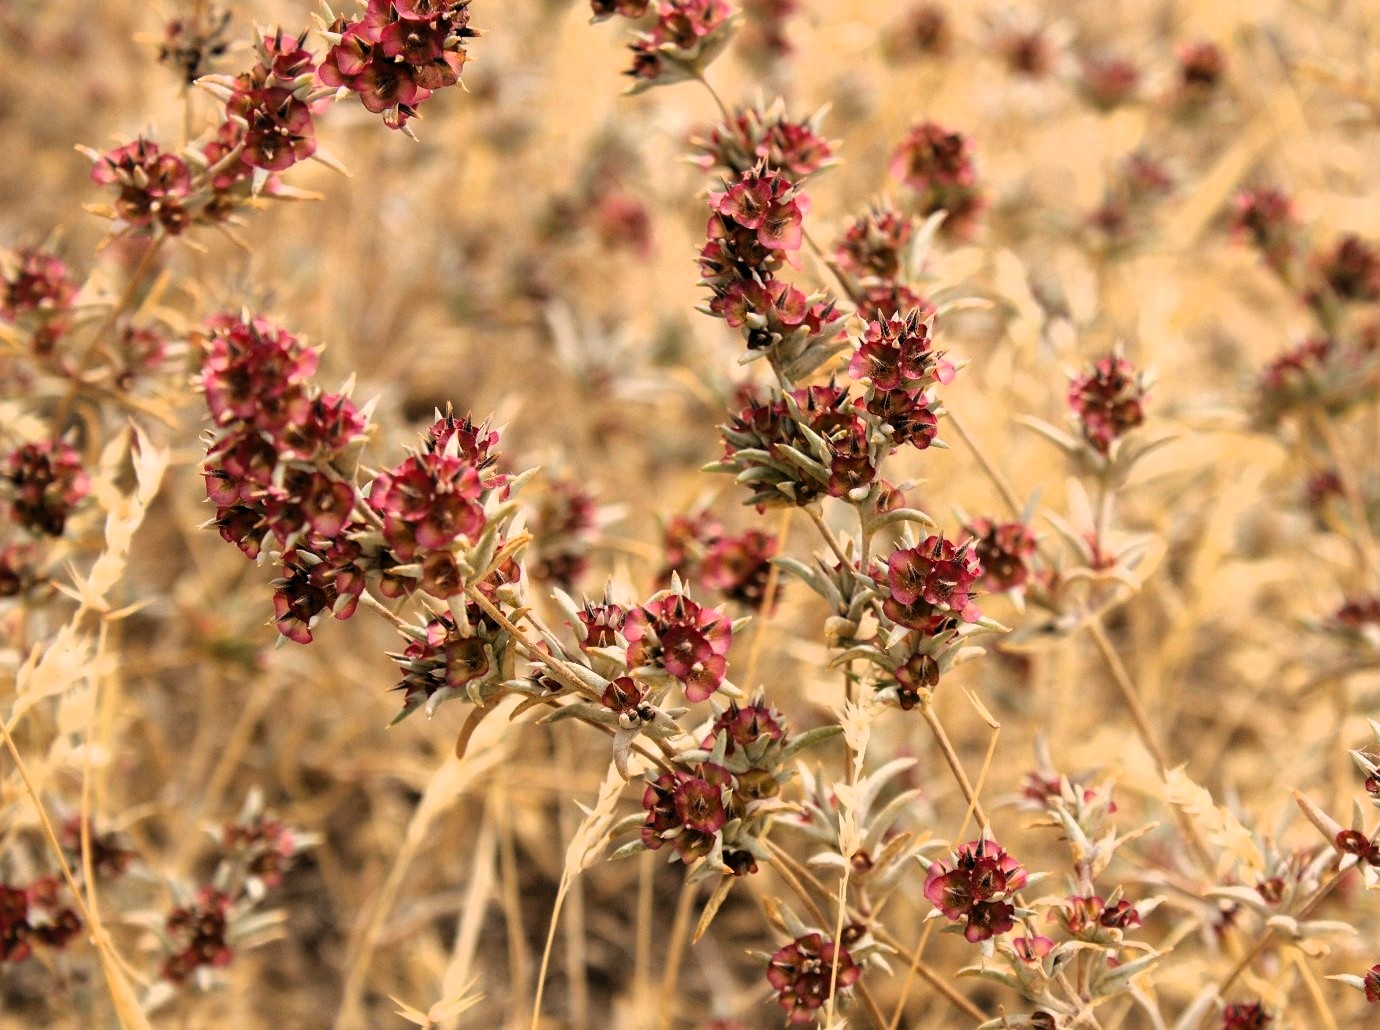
column 673, row 635
column 35, row 287
column 443, row 660
column 806, row 972
column 1202, row 67
column 801, row 445
column 1321, row 372
column 931, row 585
column 563, row 524
column 1106, row 82
column 793, row 148
column 274, row 102
column 739, row 567
column 974, row 886
column 434, row 505
column 897, row 359
column 937, row 165
column 42, row 483
column 686, row 809
column 152, row 188
column 398, row 53
column 1265, row 217
column 876, row 244
column 683, row 39
column 1090, row 918
column 34, row 915
column 1004, row 551
column 197, row 936
column 1246, row 1015
column 263, row 846
column 1108, row 401
column 1350, row 271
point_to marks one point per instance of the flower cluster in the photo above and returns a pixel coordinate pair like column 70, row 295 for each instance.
column 1320, row 374
column 674, row 636
column 1004, row 550
column 806, row 972
column 932, row 584
column 739, row 567
column 42, row 483
column 806, row 443
column 274, row 101
column 34, row 915
column 975, row 886
column 684, row 38
column 1265, row 218
column 565, row 520
column 1108, row 401
column 398, row 53
column 443, row 660
column 896, row 358
column 790, row 147
column 196, row 936
column 36, row 291
column 1108, row 81
column 936, row 164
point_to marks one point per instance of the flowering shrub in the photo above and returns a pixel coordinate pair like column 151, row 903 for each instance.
column 843, row 631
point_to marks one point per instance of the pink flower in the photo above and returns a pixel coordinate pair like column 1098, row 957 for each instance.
column 673, row 633
column 972, row 885
column 42, row 483
column 932, row 583
column 1108, row 400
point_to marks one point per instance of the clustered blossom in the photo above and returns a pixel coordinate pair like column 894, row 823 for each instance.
column 398, row 54
column 931, row 585
column 434, row 501
column 41, row 484
column 793, row 148
column 739, row 567
column 273, row 101
column 764, row 33
column 1090, row 918
column 196, row 935
column 1319, row 373
column 1351, row 270
column 1202, row 67
column 565, row 521
column 1265, row 217
column 936, row 164
column 683, row 39
column 805, row 972
column 1243, row 1015
column 263, row 846
column 443, row 660
column 974, row 886
column 674, row 635
column 924, row 30
column 876, row 244
column 109, row 858
column 897, row 359
column 1004, row 551
column 686, row 809
column 1108, row 401
column 34, row 283
column 152, row 187
column 34, row 915
column 807, row 443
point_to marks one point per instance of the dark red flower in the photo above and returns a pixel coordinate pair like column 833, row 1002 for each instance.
column 33, row 281
column 1004, row 550
column 937, row 165
column 972, row 885
column 197, row 935
column 739, row 567
column 42, row 483
column 1371, row 984
column 153, row 187
column 744, row 726
column 1109, row 401
column 1242, row 1015
column 932, row 583
column 686, row 809
column 804, row 974
column 689, row 642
